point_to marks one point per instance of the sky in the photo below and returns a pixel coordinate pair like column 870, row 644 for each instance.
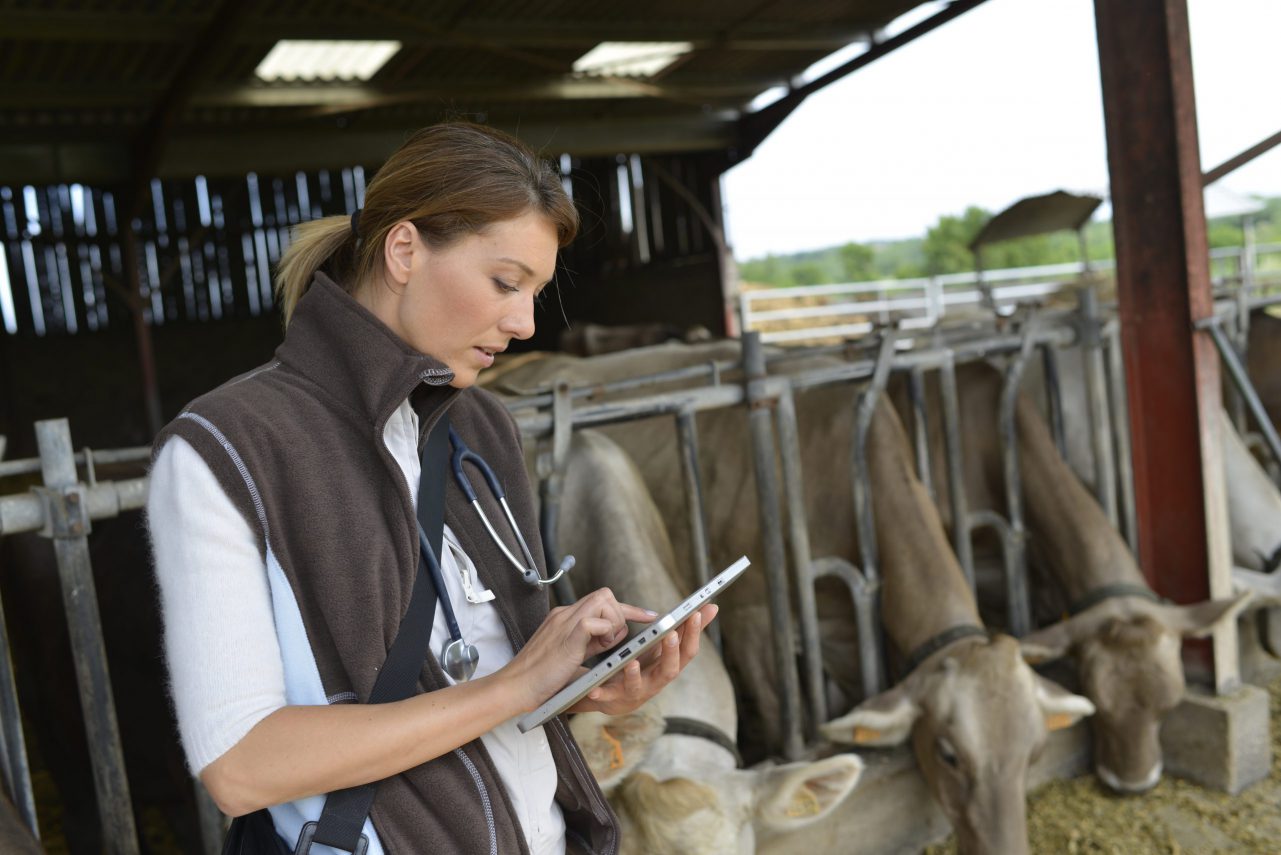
column 1001, row 103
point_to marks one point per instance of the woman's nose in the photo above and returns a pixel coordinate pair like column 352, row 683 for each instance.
column 519, row 322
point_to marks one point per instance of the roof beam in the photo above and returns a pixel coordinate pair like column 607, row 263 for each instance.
column 347, row 96
column 131, row 27
column 104, row 163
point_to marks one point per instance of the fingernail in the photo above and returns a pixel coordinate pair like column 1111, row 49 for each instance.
column 671, row 640
column 696, row 620
column 651, row 613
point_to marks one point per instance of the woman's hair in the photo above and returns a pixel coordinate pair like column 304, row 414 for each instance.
column 450, row 180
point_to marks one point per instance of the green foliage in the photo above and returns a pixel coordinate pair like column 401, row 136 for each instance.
column 945, row 249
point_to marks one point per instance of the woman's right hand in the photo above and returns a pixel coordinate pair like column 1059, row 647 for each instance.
column 555, row 653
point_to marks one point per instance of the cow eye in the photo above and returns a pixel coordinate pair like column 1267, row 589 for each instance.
column 947, row 754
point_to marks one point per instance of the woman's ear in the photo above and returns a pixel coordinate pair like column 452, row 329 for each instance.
column 398, row 251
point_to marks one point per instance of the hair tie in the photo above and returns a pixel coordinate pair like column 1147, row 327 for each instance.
column 355, row 223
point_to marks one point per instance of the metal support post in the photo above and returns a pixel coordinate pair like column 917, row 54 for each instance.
column 952, row 448
column 1017, row 606
column 213, row 826
column 1119, row 406
column 789, row 447
column 772, row 541
column 1097, row 402
column 687, row 433
column 1163, row 289
column 68, row 526
column 864, row 520
column 1054, row 396
column 920, row 428
column 17, row 771
column 551, row 471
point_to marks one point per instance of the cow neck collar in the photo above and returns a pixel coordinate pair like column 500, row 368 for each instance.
column 1107, row 592
column 678, row 726
column 943, row 639
column 354, row 358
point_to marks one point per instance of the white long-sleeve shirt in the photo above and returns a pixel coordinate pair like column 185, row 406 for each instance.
column 230, row 654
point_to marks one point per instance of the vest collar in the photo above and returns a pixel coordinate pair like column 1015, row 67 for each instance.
column 339, row 345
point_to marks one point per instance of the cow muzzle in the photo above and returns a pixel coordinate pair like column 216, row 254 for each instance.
column 1115, row 784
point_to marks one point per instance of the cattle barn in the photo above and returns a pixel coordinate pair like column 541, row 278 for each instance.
column 153, row 162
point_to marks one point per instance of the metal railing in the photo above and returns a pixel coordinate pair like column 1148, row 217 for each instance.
column 811, row 313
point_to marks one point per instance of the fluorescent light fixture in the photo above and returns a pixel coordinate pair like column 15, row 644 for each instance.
column 832, row 61
column 769, row 96
column 630, row 59
column 293, row 59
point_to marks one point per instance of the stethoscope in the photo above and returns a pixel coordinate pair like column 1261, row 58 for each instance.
column 458, row 659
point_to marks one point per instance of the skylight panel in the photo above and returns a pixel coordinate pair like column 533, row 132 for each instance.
column 293, row 59
column 630, row 59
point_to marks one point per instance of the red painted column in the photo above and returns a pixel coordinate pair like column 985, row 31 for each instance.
column 1163, row 287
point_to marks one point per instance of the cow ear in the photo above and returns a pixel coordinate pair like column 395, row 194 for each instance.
column 886, row 719
column 800, row 793
column 1060, row 707
column 614, row 745
column 1201, row 619
column 1047, row 644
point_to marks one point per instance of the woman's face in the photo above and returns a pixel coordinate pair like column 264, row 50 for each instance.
column 466, row 302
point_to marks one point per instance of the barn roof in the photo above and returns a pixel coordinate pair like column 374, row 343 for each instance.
column 84, row 82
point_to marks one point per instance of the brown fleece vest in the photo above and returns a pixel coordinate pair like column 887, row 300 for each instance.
column 298, row 446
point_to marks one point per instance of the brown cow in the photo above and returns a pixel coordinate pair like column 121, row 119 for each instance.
column 1126, row 645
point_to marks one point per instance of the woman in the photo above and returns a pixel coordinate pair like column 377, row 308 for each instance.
column 282, row 514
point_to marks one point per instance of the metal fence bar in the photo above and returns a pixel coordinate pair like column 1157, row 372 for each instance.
column 789, row 446
column 17, row 770
column 1017, row 604
column 920, row 428
column 88, row 457
column 1054, row 396
column 952, row 449
column 69, row 527
column 1120, row 408
column 26, row 512
column 1242, row 380
column 759, row 402
column 864, row 521
column 687, row 435
column 1097, row 401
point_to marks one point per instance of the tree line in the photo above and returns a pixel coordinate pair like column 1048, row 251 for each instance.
column 945, row 249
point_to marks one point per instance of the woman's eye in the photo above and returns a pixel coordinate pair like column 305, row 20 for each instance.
column 504, row 286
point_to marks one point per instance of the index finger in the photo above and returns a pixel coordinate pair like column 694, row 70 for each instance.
column 636, row 613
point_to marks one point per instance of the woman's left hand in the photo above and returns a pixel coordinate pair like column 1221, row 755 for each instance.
column 646, row 675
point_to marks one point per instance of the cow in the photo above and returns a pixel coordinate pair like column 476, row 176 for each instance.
column 671, row 768
column 1125, row 640
column 987, row 810
column 975, row 712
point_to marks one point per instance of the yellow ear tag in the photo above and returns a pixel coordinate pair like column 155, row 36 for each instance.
column 803, row 803
column 616, row 749
column 864, row 735
column 1058, row 721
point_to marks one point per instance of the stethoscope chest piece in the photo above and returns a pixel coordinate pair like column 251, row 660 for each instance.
column 459, row 659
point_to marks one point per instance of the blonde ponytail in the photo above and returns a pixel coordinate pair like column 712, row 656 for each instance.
column 313, row 245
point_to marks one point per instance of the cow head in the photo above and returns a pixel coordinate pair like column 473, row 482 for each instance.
column 977, row 716
column 1128, row 654
column 689, row 798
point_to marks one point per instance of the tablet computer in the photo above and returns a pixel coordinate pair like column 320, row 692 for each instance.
column 630, row 649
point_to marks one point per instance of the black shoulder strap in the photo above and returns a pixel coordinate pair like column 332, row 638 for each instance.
column 343, row 818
